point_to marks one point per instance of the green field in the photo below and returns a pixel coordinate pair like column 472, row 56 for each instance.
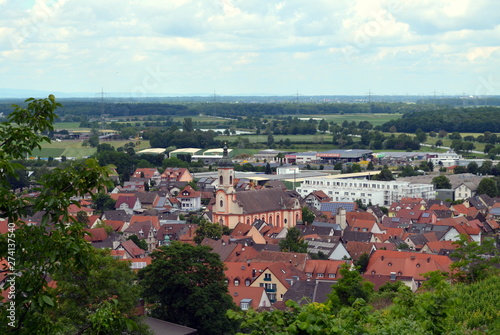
column 75, row 149
column 374, row 119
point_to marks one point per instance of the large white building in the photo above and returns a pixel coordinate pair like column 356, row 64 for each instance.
column 381, row 193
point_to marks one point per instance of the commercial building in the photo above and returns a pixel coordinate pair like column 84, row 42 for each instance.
column 381, row 193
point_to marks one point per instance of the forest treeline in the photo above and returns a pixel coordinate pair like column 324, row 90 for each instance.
column 95, row 108
column 464, row 120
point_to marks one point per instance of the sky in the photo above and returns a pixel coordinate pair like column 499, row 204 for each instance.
column 141, row 48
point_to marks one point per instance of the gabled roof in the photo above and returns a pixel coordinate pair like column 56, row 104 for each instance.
column 155, row 221
column 305, row 292
column 283, row 271
column 129, row 200
column 298, row 260
column 189, row 192
column 247, row 293
column 406, row 263
column 436, row 247
column 265, row 200
column 351, row 216
column 174, row 174
column 131, row 248
column 244, row 270
column 326, row 267
column 148, row 172
column 333, row 207
column 356, row 249
column 96, row 235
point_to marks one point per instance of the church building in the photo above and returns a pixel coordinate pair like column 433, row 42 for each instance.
column 272, row 205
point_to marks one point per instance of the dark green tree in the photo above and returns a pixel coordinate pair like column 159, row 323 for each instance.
column 293, row 242
column 362, row 263
column 385, row 174
column 141, row 243
column 268, row 169
column 349, row 288
column 207, row 229
column 370, row 166
column 488, row 186
column 307, row 215
column 474, row 261
column 187, row 125
column 472, row 167
column 105, row 290
column 186, row 284
column 57, row 243
column 441, row 182
column 103, row 202
column 82, row 217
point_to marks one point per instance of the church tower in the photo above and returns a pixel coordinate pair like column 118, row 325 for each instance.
column 226, row 173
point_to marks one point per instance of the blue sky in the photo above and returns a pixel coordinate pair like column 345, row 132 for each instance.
column 170, row 47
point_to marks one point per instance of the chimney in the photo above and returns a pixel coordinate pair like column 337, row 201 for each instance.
column 428, row 259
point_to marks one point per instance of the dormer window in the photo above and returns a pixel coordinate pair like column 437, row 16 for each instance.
column 236, row 282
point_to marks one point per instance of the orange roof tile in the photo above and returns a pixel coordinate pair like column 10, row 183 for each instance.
column 406, row 263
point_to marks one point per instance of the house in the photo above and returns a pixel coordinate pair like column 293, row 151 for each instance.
column 323, row 269
column 298, row 260
column 316, row 198
column 439, row 247
column 73, row 210
column 128, row 203
column 246, row 230
column 131, row 250
column 249, row 297
column 411, row 264
column 378, row 280
column 243, row 273
column 144, row 231
column 305, row 292
column 190, row 199
column 152, row 174
column 176, row 175
column 277, row 278
column 333, row 250
column 272, row 205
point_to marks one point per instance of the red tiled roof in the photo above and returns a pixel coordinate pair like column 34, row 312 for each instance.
column 406, row 263
column 148, row 172
column 189, row 192
column 436, row 246
column 96, row 235
column 244, row 292
column 145, row 218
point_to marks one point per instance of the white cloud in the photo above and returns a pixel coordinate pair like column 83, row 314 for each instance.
column 223, row 42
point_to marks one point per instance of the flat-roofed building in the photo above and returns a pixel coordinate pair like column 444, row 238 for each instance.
column 351, row 155
column 381, row 193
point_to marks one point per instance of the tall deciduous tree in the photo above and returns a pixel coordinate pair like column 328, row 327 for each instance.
column 441, row 182
column 37, row 252
column 186, row 284
column 293, row 242
column 107, row 288
column 488, row 186
column 207, row 229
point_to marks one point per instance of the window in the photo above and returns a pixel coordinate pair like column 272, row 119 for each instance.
column 221, row 203
column 320, row 275
column 236, row 282
column 247, row 282
column 267, row 276
column 331, row 275
column 221, row 180
column 244, row 306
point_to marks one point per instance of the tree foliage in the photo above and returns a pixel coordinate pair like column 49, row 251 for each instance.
column 42, row 251
column 207, row 229
column 307, row 215
column 107, row 288
column 186, row 284
column 293, row 242
column 441, row 182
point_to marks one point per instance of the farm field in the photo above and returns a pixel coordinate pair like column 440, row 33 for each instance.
column 375, row 119
column 70, row 148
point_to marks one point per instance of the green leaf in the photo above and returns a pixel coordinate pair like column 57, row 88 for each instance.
column 48, row 300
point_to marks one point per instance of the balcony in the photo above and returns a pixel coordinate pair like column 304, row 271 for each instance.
column 267, row 279
column 270, row 290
